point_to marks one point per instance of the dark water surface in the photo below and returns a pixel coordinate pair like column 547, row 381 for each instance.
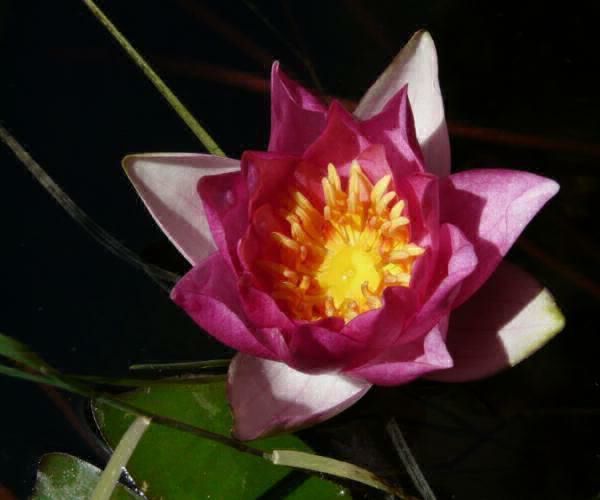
column 78, row 105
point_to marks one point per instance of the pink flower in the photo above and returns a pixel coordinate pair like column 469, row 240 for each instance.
column 346, row 255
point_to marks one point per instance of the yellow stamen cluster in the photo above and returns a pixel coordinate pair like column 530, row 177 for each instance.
column 336, row 263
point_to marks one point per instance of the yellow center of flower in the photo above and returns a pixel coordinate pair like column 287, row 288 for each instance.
column 336, row 263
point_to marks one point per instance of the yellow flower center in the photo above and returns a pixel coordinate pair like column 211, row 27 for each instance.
column 336, row 263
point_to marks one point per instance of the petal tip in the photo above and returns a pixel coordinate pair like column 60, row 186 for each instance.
column 522, row 317
column 556, row 322
column 422, row 35
column 126, row 162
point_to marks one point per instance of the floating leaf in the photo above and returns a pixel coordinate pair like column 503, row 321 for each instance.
column 176, row 465
column 65, row 477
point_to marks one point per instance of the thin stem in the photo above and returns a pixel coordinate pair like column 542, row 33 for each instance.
column 568, row 273
column 77, row 422
column 220, row 25
column 19, row 373
column 313, row 464
column 127, row 445
column 149, row 382
column 408, row 459
column 108, row 241
column 297, row 52
column 160, row 85
column 183, row 365
column 79, row 387
column 287, row 7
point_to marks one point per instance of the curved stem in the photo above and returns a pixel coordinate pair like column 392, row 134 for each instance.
column 161, row 276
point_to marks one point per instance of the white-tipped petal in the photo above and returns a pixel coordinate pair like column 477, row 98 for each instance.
column 417, row 66
column 506, row 321
column 269, row 396
column 168, row 186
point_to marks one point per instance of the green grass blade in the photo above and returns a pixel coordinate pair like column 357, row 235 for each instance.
column 110, row 475
column 409, row 461
column 325, row 465
column 20, row 353
column 162, row 277
column 31, row 377
column 182, row 366
column 160, row 85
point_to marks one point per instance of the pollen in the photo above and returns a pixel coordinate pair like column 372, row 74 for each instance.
column 337, row 261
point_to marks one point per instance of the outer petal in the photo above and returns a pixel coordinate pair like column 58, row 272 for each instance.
column 297, row 117
column 415, row 65
column 491, row 207
column 510, row 318
column 167, row 183
column 268, row 396
column 208, row 293
column 405, row 362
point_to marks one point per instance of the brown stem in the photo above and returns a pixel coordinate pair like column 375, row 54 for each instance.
column 581, row 281
column 6, row 494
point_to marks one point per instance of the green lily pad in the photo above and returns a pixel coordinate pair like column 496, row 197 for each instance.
column 176, row 465
column 65, row 477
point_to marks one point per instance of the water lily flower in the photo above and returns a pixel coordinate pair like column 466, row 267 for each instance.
column 347, row 255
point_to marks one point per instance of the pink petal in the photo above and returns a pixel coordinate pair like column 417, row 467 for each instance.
column 394, row 128
column 340, row 141
column 167, row 184
column 225, row 201
column 456, row 262
column 377, row 330
column 415, row 65
column 507, row 320
column 267, row 175
column 421, row 193
column 268, row 396
column 405, row 362
column 491, row 207
column 402, row 331
column 319, row 347
column 260, row 308
column 417, row 346
column 297, row 117
column 307, row 346
column 373, row 162
column 208, row 293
